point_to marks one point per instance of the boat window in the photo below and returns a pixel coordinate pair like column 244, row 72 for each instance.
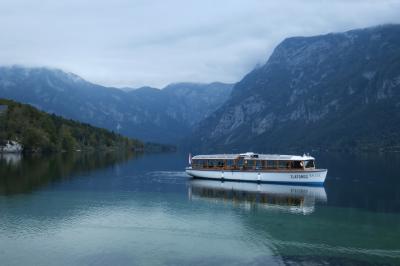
column 258, row 164
column 240, row 162
column 296, row 165
column 250, row 163
column 309, row 164
column 283, row 164
column 211, row 163
column 229, row 163
column 271, row 164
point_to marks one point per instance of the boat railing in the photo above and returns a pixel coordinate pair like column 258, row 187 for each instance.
column 249, row 168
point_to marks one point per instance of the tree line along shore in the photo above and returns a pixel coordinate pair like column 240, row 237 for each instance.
column 37, row 131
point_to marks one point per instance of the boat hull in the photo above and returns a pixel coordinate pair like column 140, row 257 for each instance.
column 316, row 176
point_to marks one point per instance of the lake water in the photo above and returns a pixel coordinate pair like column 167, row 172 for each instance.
column 126, row 209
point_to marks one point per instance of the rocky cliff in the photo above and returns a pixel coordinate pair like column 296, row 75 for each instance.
column 335, row 91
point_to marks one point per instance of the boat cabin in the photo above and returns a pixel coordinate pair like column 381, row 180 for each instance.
column 253, row 161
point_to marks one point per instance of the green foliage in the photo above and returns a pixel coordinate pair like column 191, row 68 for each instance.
column 38, row 131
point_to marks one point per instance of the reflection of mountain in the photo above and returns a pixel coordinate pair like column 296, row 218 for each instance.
column 368, row 181
column 22, row 176
column 141, row 206
column 327, row 235
column 294, row 199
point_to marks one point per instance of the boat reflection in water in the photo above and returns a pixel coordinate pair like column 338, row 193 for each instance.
column 289, row 198
column 10, row 158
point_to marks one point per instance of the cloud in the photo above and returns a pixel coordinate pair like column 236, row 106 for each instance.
column 135, row 43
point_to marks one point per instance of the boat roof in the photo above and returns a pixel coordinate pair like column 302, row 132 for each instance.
column 255, row 156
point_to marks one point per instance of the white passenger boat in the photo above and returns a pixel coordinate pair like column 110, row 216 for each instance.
column 255, row 167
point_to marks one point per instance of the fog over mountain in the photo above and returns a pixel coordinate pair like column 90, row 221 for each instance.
column 134, row 43
column 334, row 91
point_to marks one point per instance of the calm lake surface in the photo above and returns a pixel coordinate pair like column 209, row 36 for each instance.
column 125, row 209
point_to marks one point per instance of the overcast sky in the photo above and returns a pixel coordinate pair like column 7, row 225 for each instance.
column 148, row 42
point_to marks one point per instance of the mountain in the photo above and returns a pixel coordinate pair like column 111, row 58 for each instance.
column 39, row 131
column 193, row 102
column 339, row 91
column 149, row 114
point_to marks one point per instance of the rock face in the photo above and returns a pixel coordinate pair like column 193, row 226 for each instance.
column 336, row 91
column 149, row 114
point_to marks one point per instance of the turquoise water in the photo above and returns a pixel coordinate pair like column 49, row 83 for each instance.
column 125, row 209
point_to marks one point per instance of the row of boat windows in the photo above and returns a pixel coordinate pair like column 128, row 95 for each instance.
column 252, row 164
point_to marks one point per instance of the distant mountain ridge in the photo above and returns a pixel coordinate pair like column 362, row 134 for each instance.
column 150, row 114
column 335, row 91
